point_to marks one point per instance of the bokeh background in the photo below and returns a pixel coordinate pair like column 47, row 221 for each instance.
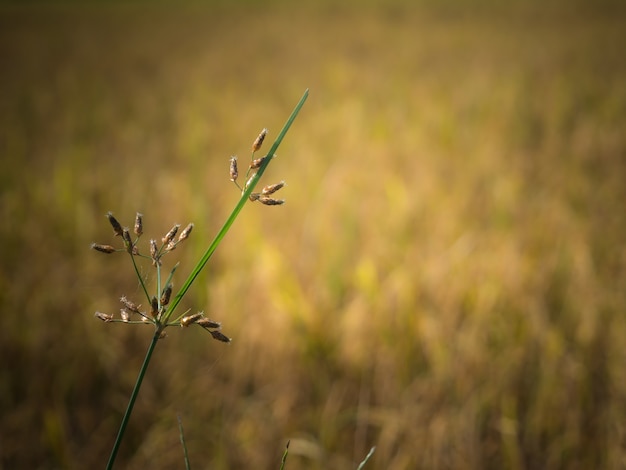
column 447, row 281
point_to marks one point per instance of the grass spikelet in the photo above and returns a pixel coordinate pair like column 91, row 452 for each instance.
column 108, row 249
column 256, row 145
column 272, row 188
column 138, row 228
column 117, row 228
column 234, row 171
column 268, row 201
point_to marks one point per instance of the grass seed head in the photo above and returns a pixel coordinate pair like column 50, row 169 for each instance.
column 254, row 196
column 128, row 242
column 154, row 307
column 259, row 140
column 117, row 228
column 268, row 201
column 184, row 235
column 125, row 314
column 103, row 248
column 272, row 188
column 165, row 296
column 218, row 335
column 138, row 229
column 234, row 172
column 129, row 304
column 190, row 319
column 257, row 162
column 154, row 251
column 206, row 323
column 169, row 236
column 105, row 317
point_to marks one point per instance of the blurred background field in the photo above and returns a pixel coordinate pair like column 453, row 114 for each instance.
column 447, row 281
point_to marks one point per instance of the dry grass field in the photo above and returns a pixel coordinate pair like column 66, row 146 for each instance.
column 446, row 282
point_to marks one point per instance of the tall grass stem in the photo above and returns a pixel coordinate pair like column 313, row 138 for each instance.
column 133, row 397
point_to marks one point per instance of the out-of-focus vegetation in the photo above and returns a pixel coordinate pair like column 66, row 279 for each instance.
column 447, row 280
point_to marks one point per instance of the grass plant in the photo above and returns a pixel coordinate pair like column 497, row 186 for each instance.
column 161, row 310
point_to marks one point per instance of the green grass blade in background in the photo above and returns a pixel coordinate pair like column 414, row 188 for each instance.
column 182, row 442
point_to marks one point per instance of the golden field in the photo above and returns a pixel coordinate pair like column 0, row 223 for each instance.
column 446, row 282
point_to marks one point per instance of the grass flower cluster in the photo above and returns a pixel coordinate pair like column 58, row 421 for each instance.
column 157, row 312
column 265, row 196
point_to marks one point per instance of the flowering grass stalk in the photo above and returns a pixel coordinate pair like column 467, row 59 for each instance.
column 162, row 306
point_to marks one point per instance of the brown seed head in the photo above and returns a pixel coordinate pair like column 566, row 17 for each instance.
column 169, row 236
column 190, row 319
column 257, row 162
column 105, row 317
column 129, row 304
column 218, row 335
column 268, row 201
column 254, row 196
column 184, row 235
column 117, row 228
column 165, row 296
column 234, row 172
column 259, row 140
column 154, row 251
column 272, row 188
column 206, row 323
column 102, row 248
column 138, row 229
column 125, row 314
column 128, row 242
column 154, row 305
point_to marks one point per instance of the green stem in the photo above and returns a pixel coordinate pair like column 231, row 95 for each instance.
column 143, row 285
column 133, row 397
